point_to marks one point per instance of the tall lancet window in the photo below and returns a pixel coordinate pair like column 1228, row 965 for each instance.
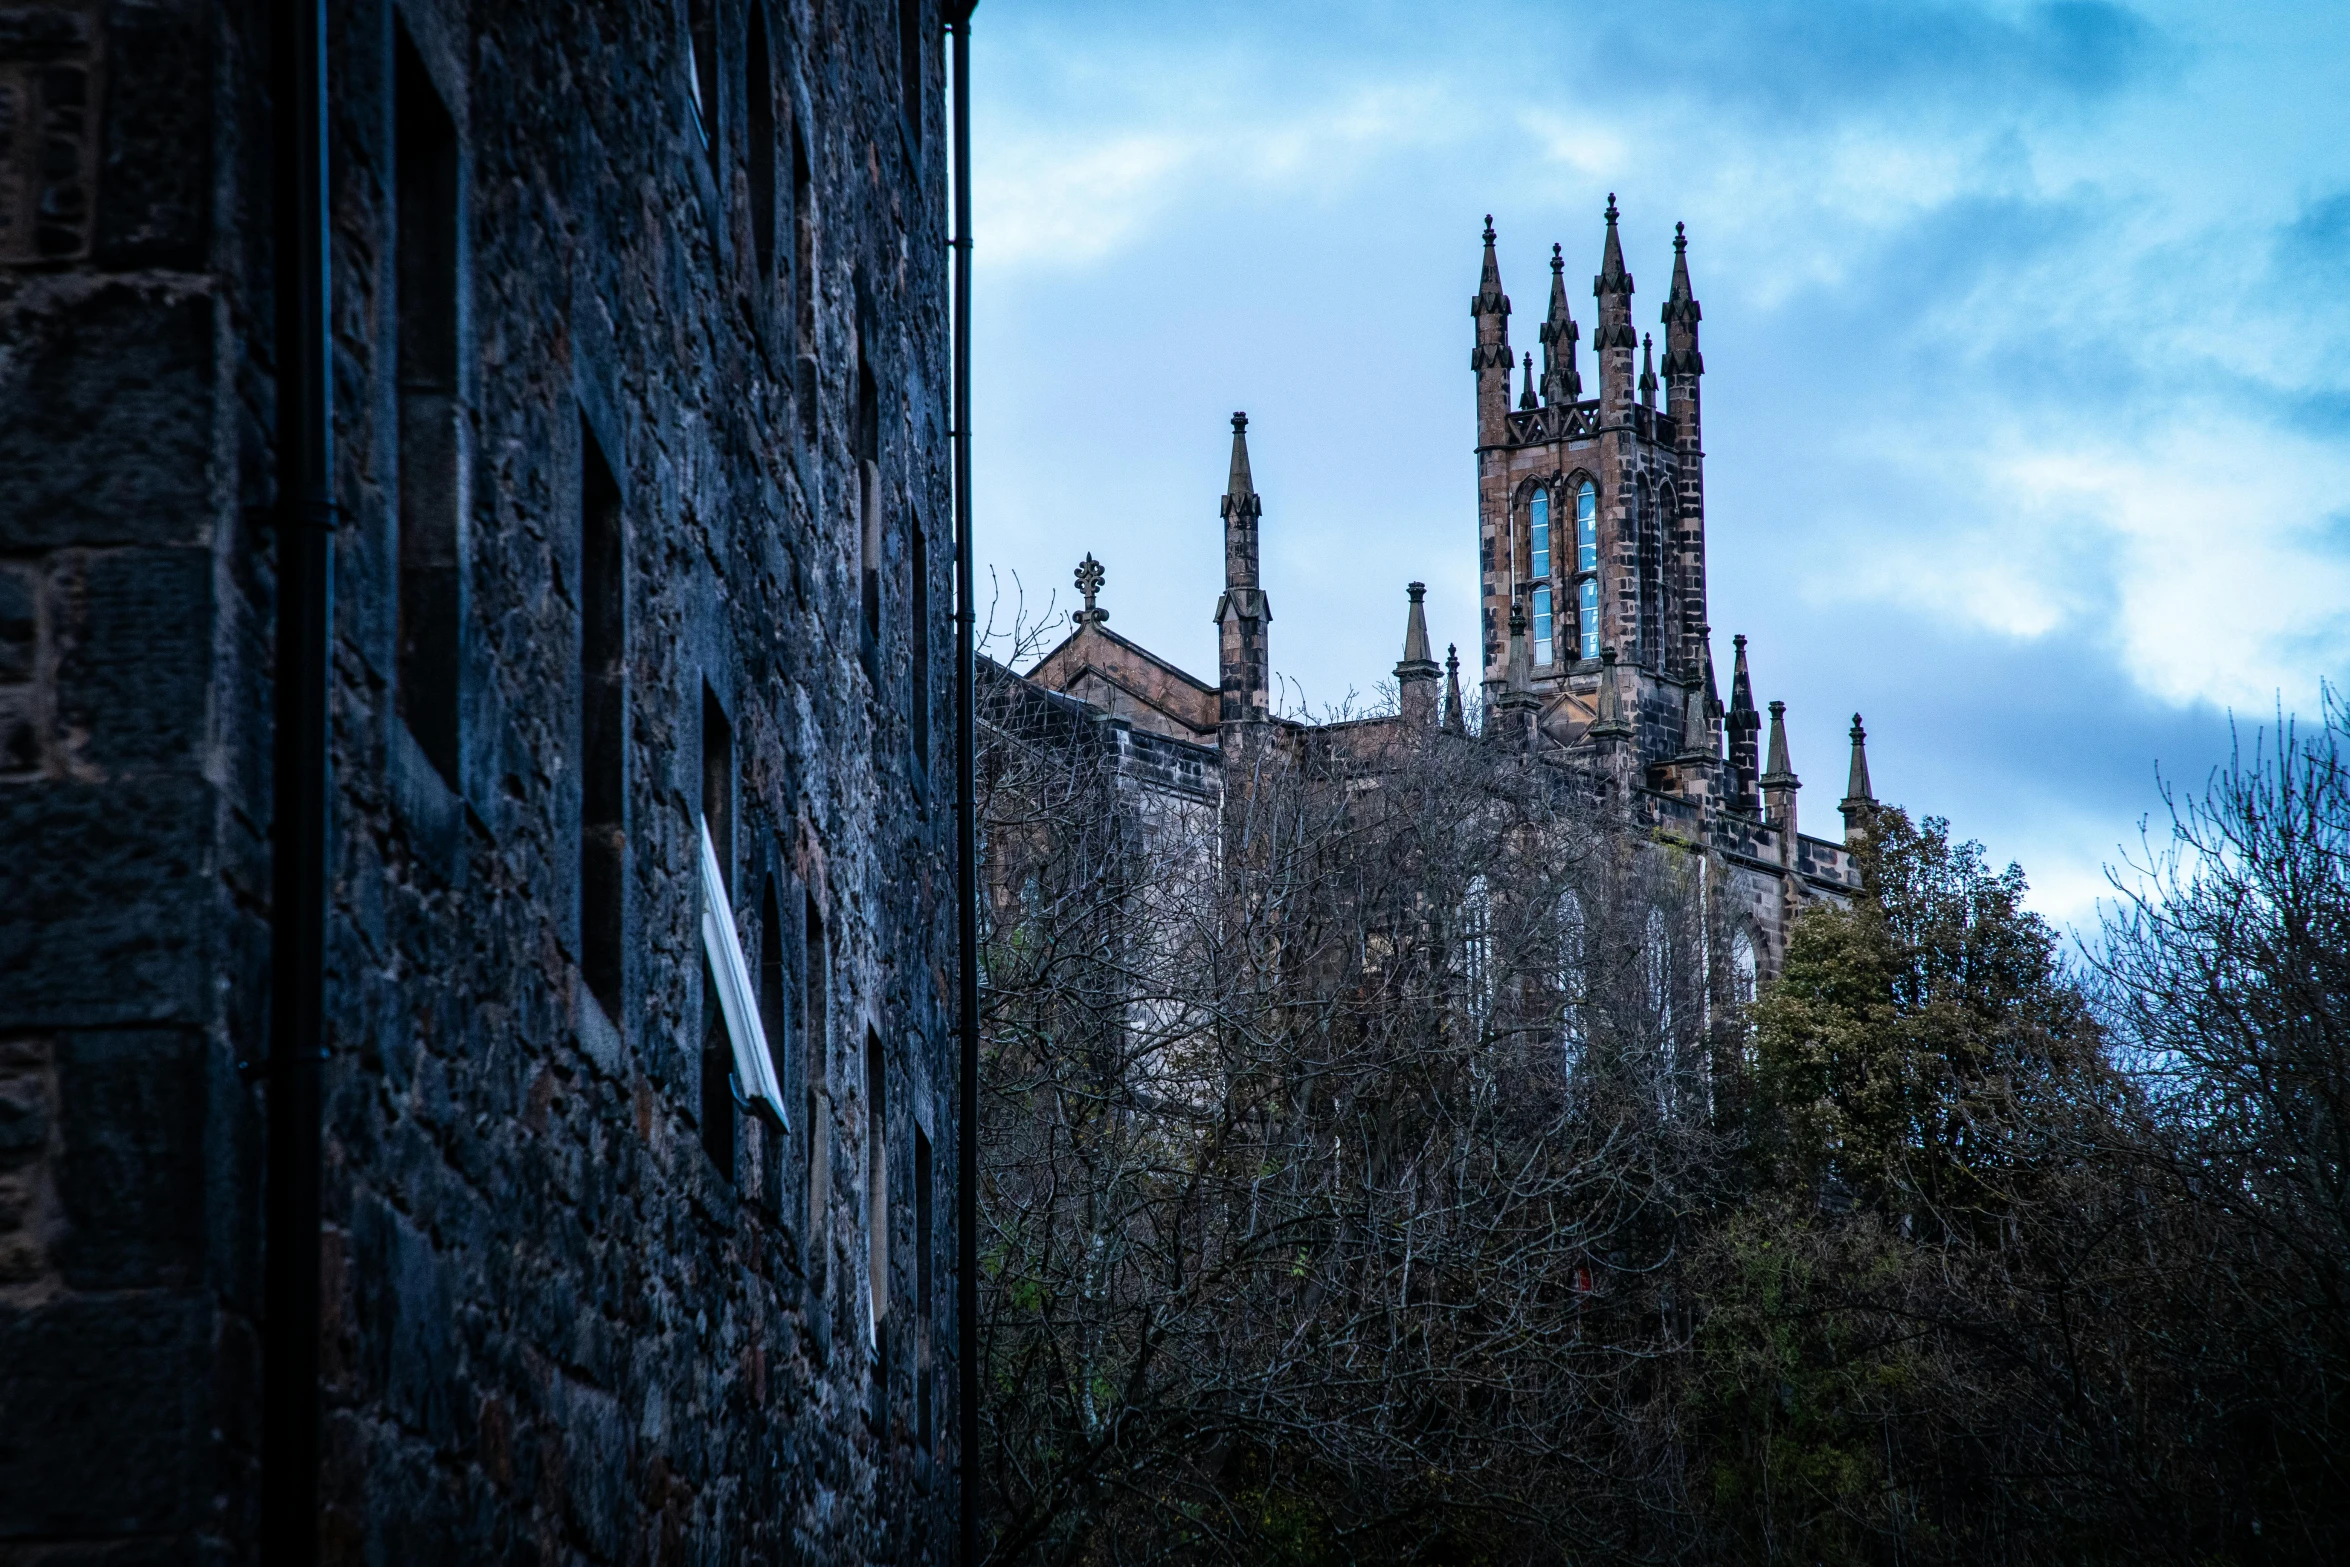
column 1587, row 566
column 1539, row 511
column 1542, row 641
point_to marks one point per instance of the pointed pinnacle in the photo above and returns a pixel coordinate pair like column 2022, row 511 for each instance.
column 1856, row 785
column 1240, row 490
column 1612, row 279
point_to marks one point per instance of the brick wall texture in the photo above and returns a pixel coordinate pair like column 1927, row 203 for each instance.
column 669, row 273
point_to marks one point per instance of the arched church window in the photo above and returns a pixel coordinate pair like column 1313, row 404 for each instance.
column 1587, row 569
column 1539, row 510
column 1571, row 980
column 1741, row 967
column 1657, row 964
column 1476, row 946
column 1542, row 624
column 1648, row 528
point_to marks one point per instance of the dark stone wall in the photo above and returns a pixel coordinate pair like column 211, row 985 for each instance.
column 578, row 1306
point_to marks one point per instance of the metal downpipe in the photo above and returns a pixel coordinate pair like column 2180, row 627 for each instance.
column 305, row 521
column 966, row 821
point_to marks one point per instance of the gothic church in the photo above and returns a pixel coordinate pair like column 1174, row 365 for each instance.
column 1594, row 645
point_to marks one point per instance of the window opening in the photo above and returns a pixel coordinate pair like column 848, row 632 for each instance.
column 816, row 1051
column 1542, row 621
column 603, row 680
column 910, row 66
column 1540, row 533
column 868, row 447
column 701, row 76
column 720, row 1085
column 803, row 279
column 1587, row 568
column 759, row 127
column 1648, row 529
column 925, row 1248
column 1477, row 944
column 774, row 1021
column 1571, row 979
column 876, row 1185
column 425, row 157
column 918, row 693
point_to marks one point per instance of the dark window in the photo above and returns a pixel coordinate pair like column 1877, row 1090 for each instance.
column 759, row 126
column 868, row 450
column 774, row 1020
column 876, row 1183
column 910, row 66
column 701, row 60
column 426, row 157
column 918, row 696
column 603, row 691
column 718, row 781
column 1649, row 529
column 803, row 280
column 816, row 1058
column 718, row 1085
column 925, row 1413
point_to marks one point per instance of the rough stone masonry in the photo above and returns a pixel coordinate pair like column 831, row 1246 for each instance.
column 640, row 366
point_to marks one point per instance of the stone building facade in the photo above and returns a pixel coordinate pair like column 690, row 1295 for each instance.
column 1594, row 644
column 640, row 361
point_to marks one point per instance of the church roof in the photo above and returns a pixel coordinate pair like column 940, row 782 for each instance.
column 1122, row 677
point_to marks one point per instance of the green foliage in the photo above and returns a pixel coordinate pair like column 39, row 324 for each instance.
column 1905, row 1032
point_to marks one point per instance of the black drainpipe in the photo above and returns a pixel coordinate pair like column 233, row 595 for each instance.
column 298, row 882
column 966, row 821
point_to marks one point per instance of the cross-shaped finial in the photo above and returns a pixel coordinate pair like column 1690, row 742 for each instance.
column 1089, row 582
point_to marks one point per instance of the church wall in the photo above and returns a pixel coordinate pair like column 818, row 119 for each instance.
column 576, row 1303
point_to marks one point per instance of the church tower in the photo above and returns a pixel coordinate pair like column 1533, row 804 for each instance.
column 1591, row 512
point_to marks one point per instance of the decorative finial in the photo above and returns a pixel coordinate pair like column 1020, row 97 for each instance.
column 1558, row 260
column 1611, row 207
column 1089, row 583
column 1240, row 424
column 1489, row 228
column 1527, row 399
column 1680, row 237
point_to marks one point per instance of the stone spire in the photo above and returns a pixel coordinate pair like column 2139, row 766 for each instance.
column 1242, row 614
column 1415, row 677
column 1647, row 370
column 1858, row 804
column 1611, row 721
column 1682, row 360
column 1613, row 339
column 1561, row 381
column 1526, row 399
column 1683, row 365
column 1456, row 721
column 1490, row 359
column 1742, row 722
column 1517, row 704
column 1779, row 783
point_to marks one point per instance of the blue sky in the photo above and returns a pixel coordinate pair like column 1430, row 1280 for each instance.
column 2027, row 337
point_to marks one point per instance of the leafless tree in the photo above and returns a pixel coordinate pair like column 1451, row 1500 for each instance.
column 1338, row 1135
